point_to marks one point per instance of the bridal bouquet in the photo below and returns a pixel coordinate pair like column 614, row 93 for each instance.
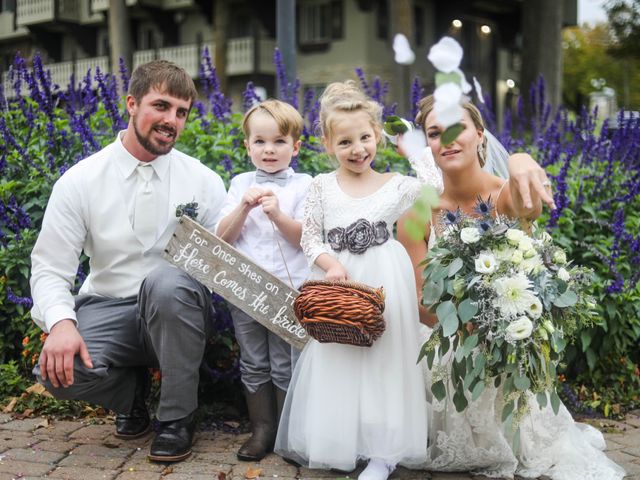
column 507, row 302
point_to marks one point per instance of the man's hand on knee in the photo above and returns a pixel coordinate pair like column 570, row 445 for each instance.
column 60, row 348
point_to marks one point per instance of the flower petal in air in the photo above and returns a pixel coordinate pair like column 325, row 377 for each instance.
column 413, row 143
column 478, row 88
column 403, row 53
column 446, row 55
column 447, row 106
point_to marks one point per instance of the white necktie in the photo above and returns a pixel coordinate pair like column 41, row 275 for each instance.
column 144, row 215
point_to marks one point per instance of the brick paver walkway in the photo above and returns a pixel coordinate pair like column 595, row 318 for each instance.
column 78, row 450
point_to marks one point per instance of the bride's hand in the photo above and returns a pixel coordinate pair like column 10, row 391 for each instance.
column 529, row 183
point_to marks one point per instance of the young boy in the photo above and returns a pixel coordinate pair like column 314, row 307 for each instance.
column 262, row 214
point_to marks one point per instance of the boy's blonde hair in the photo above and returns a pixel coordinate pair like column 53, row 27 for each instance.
column 347, row 97
column 287, row 118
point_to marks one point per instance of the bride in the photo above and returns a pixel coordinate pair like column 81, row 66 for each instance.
column 475, row 439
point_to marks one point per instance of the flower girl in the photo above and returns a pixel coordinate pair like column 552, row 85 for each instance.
column 349, row 403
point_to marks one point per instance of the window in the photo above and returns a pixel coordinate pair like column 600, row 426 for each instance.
column 149, row 38
column 319, row 22
column 8, row 6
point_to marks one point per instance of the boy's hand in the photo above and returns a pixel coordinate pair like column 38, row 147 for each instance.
column 270, row 205
column 251, row 198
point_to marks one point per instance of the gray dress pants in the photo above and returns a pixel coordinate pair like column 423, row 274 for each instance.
column 264, row 356
column 165, row 327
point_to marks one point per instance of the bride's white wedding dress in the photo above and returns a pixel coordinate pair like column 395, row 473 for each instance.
column 476, row 440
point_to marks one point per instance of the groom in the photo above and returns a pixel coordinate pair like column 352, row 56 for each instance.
column 134, row 310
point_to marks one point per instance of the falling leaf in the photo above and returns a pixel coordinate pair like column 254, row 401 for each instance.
column 11, row 405
column 222, row 476
column 44, row 423
column 402, row 49
column 252, row 472
column 38, row 389
column 478, row 88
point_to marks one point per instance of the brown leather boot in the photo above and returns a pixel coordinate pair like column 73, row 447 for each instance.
column 262, row 413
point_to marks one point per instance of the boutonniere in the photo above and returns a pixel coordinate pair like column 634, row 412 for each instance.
column 189, row 209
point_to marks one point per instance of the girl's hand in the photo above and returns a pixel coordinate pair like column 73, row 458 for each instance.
column 251, row 198
column 336, row 273
column 270, row 205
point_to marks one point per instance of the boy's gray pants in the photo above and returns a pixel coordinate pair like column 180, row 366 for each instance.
column 165, row 327
column 264, row 356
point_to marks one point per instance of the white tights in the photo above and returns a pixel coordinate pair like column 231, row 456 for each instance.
column 376, row 470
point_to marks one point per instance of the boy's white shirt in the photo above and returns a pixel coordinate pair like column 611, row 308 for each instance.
column 257, row 238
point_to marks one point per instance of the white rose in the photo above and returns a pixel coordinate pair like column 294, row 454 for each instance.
column 560, row 257
column 519, row 329
column 563, row 274
column 517, row 257
column 514, row 235
column 486, row 263
column 446, row 107
column 535, row 308
column 525, row 244
column 446, row 55
column 470, row 235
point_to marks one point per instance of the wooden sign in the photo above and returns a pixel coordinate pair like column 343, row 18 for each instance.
column 236, row 278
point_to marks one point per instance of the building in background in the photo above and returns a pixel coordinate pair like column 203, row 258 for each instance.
column 333, row 38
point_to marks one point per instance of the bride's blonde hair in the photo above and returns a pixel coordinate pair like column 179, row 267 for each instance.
column 347, row 97
column 425, row 106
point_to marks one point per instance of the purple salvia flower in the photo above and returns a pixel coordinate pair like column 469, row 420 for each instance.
column 363, row 82
column 124, row 75
column 249, row 96
column 417, row 92
column 16, row 300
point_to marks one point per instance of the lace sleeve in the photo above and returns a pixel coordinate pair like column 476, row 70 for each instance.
column 312, row 240
column 426, row 169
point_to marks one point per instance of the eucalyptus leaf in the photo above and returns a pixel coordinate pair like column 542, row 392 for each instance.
column 450, row 324
column 507, row 410
column 542, row 399
column 477, row 390
column 451, row 133
column 459, row 400
column 522, row 383
column 555, row 402
column 415, row 229
column 451, row 77
column 467, row 309
column 438, row 389
column 455, row 266
column 432, row 292
column 470, row 343
column 567, row 299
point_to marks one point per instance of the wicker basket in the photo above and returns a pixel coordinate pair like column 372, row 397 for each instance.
column 341, row 312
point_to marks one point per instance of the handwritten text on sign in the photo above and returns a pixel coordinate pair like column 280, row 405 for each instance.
column 236, row 278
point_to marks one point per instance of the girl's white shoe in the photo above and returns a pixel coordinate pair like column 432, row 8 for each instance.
column 376, row 470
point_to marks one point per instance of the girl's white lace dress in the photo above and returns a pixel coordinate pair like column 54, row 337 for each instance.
column 346, row 402
column 475, row 440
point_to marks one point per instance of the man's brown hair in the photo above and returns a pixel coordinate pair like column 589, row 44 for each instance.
column 162, row 75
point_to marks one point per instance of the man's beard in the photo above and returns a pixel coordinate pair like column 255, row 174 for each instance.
column 148, row 145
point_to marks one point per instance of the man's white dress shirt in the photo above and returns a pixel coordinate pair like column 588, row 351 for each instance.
column 258, row 240
column 91, row 209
